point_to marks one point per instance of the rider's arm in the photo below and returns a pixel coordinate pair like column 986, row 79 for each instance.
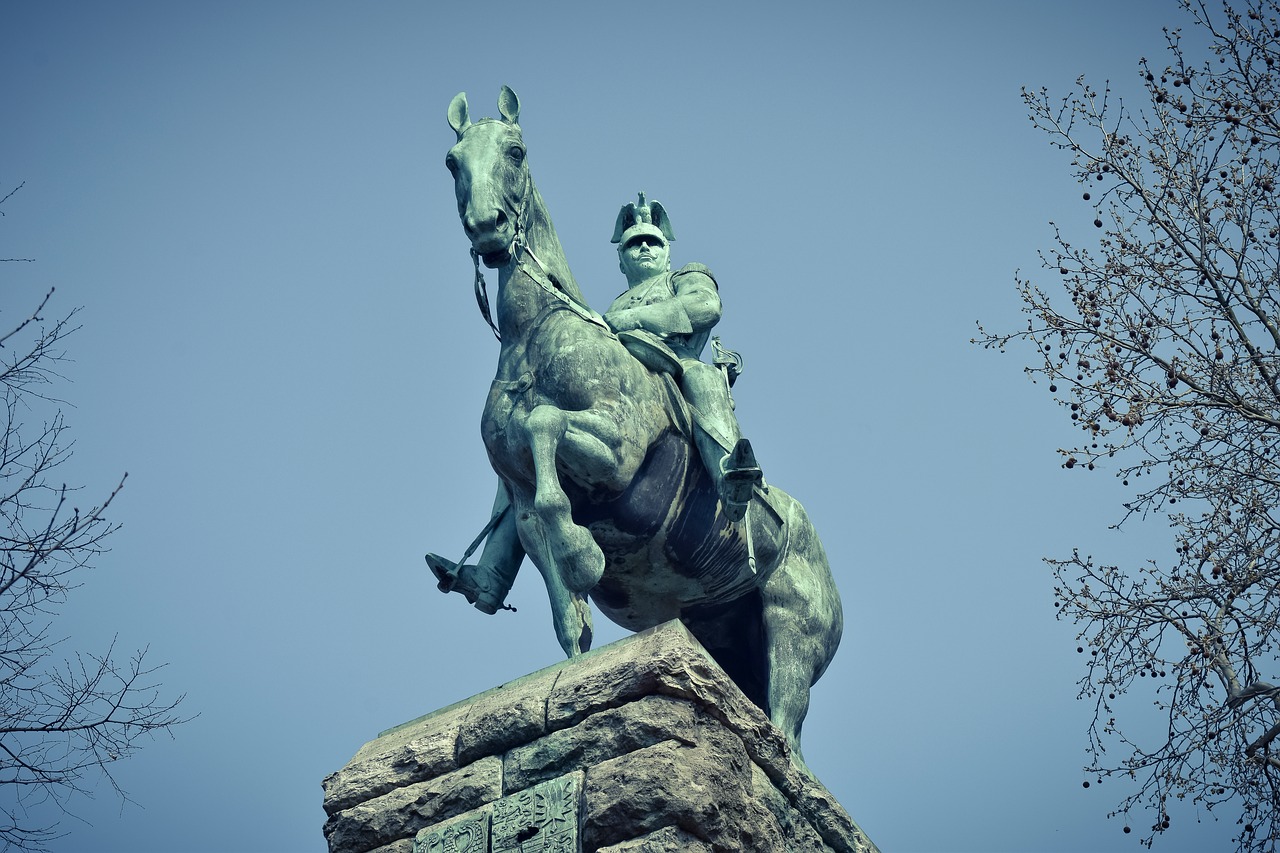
column 698, row 296
column 695, row 307
column 667, row 317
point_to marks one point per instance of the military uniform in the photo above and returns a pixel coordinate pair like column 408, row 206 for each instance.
column 679, row 308
column 665, row 321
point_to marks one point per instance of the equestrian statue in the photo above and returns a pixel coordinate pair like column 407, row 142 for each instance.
column 622, row 472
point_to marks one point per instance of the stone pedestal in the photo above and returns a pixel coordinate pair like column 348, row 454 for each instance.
column 642, row 746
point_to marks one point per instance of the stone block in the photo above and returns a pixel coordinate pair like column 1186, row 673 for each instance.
column 666, row 661
column 812, row 800
column 404, row 845
column 799, row 836
column 424, row 757
column 669, row 839
column 401, row 813
column 703, row 789
column 645, row 722
column 500, row 719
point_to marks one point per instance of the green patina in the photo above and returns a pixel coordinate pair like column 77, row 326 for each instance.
column 622, row 471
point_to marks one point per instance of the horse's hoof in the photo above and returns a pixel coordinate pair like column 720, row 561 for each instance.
column 578, row 558
column 584, row 567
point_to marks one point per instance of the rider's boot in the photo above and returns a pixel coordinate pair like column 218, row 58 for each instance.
column 482, row 585
column 740, row 474
column 728, row 456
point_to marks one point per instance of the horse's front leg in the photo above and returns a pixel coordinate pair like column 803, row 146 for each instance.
column 580, row 558
column 570, row 560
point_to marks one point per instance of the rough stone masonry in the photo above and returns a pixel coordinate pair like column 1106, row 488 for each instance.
column 642, row 746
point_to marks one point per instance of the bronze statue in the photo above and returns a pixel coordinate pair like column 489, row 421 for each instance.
column 599, row 478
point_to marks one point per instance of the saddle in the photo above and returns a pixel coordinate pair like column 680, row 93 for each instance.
column 651, row 351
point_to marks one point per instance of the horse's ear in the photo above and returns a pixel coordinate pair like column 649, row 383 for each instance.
column 458, row 118
column 509, row 105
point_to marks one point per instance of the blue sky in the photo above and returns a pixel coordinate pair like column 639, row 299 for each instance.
column 281, row 347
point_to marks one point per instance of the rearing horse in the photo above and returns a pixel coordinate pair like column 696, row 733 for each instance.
column 601, row 485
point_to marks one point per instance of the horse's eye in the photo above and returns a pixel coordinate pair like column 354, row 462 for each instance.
column 516, row 153
column 451, row 164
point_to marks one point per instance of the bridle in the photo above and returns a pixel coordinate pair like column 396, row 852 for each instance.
column 520, row 250
column 482, row 295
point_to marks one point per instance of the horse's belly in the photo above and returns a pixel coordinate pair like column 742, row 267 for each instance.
column 666, row 545
column 640, row 590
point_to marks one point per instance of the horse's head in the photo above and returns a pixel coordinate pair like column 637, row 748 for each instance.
column 490, row 176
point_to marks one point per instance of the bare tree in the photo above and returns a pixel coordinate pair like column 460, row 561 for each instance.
column 1165, row 352
column 63, row 722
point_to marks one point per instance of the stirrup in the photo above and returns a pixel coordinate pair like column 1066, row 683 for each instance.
column 468, row 580
column 740, row 475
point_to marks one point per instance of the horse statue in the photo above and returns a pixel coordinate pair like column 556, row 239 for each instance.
column 600, row 482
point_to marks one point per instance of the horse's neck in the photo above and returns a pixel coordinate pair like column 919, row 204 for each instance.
column 541, row 238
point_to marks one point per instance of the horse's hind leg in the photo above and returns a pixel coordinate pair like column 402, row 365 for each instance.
column 570, row 560
column 803, row 623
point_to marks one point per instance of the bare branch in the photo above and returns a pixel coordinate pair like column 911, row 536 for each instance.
column 1163, row 348
column 64, row 721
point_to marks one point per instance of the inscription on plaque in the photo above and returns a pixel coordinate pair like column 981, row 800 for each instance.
column 468, row 833
column 541, row 819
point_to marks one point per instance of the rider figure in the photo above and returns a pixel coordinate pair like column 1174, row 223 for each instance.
column 665, row 318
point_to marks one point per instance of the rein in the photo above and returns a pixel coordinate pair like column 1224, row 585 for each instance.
column 546, row 281
column 482, row 295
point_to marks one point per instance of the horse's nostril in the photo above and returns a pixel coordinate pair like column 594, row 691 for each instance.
column 501, row 219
